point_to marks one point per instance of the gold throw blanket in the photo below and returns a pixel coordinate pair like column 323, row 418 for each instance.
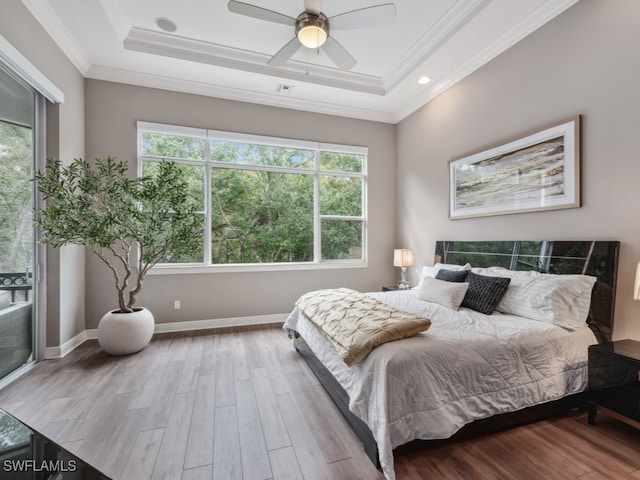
column 356, row 323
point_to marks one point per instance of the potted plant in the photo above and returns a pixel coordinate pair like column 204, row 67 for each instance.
column 130, row 224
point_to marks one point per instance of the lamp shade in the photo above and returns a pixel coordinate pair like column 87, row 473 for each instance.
column 402, row 257
column 636, row 286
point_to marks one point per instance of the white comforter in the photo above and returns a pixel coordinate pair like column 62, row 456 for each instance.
column 467, row 366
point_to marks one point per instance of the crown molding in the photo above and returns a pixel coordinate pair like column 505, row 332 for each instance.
column 46, row 16
column 116, row 18
column 241, row 95
column 208, row 53
column 445, row 28
column 528, row 25
column 143, row 40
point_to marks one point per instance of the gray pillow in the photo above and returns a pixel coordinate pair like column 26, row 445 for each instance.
column 452, row 275
column 484, row 293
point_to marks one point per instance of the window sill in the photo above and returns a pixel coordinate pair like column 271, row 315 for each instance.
column 166, row 269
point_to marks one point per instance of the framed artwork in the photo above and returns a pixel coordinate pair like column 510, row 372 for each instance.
column 539, row 171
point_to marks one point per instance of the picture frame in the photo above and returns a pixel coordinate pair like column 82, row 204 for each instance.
column 535, row 172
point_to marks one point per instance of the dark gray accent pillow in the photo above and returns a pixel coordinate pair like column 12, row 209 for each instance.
column 452, row 275
column 484, row 293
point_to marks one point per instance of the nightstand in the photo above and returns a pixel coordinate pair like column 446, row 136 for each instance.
column 614, row 386
column 393, row 288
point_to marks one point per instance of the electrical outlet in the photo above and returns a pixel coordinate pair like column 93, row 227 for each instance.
column 176, row 304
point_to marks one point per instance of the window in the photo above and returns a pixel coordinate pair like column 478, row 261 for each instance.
column 266, row 200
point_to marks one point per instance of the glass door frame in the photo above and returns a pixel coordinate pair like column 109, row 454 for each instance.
column 38, row 333
column 26, row 72
column 39, row 248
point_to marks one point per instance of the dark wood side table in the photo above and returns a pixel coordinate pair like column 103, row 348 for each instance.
column 393, row 288
column 614, row 383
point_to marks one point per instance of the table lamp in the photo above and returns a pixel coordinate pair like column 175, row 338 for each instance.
column 403, row 258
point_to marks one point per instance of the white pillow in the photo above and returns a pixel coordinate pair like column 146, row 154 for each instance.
column 447, row 294
column 427, row 271
column 563, row 300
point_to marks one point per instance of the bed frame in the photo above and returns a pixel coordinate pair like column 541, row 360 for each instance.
column 595, row 258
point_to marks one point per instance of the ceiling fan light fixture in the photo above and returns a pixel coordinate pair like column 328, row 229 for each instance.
column 312, row 30
column 312, row 37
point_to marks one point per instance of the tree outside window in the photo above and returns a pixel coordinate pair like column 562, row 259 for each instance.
column 266, row 200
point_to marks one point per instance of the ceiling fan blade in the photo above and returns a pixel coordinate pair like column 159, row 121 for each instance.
column 365, row 17
column 339, row 54
column 285, row 53
column 260, row 13
column 313, row 6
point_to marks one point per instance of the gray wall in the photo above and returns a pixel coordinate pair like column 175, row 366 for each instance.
column 65, row 139
column 583, row 62
column 111, row 113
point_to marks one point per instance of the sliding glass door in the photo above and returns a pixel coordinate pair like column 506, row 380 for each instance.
column 19, row 134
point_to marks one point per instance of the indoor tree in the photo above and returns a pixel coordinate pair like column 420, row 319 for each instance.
column 130, row 224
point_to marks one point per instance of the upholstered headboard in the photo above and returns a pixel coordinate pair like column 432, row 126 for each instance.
column 586, row 257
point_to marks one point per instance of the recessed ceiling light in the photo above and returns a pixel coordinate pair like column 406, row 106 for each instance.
column 424, row 80
column 166, row 24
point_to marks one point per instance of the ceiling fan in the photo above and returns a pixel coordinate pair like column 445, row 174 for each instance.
column 312, row 28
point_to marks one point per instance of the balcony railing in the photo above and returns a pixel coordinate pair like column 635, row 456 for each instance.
column 17, row 282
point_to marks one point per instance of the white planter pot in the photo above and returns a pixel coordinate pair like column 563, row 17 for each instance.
column 125, row 333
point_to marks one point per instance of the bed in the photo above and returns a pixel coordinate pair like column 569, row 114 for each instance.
column 469, row 365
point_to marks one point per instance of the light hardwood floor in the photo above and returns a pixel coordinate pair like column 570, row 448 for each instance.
column 242, row 404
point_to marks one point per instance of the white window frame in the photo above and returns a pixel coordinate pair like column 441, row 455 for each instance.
column 316, row 172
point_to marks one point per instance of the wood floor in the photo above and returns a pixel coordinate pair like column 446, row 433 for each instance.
column 242, row 404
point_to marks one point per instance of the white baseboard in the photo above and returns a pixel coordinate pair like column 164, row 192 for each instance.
column 66, row 347
column 91, row 334
column 220, row 323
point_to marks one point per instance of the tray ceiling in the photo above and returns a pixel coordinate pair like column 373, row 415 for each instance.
column 219, row 53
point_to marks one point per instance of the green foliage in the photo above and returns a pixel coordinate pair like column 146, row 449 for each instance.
column 340, row 196
column 172, row 146
column 341, row 239
column 340, row 162
column 252, row 154
column 131, row 224
column 259, row 213
column 260, row 217
column 16, row 172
